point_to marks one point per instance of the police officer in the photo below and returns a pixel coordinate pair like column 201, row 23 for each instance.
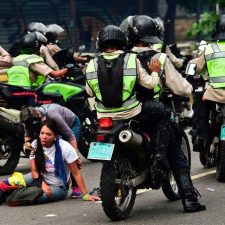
column 212, row 60
column 113, row 74
column 142, row 33
column 29, row 69
column 200, row 126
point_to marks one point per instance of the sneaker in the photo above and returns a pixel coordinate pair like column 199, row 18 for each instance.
column 76, row 193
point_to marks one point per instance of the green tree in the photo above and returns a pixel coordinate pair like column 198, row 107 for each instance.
column 203, row 28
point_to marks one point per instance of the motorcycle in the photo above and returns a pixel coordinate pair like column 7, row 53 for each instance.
column 213, row 148
column 69, row 92
column 11, row 140
column 126, row 150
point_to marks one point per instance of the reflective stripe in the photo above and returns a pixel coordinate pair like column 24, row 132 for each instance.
column 217, row 79
column 92, row 75
column 215, row 55
column 126, row 61
column 215, row 47
column 21, row 63
column 24, row 61
column 96, row 64
column 125, row 104
column 126, row 72
column 129, row 72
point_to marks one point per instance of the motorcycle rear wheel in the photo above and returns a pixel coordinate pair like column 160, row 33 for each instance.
column 117, row 197
column 9, row 154
column 169, row 187
column 220, row 169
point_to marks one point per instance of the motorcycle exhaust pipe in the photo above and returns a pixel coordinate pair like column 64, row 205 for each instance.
column 129, row 137
column 133, row 141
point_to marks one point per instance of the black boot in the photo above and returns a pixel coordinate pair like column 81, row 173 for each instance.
column 189, row 194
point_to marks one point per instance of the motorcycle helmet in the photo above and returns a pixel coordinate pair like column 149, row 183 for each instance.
column 54, row 32
column 30, row 116
column 160, row 27
column 125, row 26
column 37, row 26
column 219, row 29
column 111, row 35
column 142, row 28
column 31, row 42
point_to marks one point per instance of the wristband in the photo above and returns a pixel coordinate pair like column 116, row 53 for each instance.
column 85, row 197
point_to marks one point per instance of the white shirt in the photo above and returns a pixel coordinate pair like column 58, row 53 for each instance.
column 69, row 155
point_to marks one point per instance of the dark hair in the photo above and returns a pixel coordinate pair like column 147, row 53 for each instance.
column 39, row 153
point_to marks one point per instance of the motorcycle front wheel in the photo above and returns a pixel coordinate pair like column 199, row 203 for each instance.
column 117, row 196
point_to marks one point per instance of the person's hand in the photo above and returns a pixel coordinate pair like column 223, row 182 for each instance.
column 154, row 65
column 92, row 198
column 27, row 148
column 81, row 59
column 79, row 163
column 46, row 189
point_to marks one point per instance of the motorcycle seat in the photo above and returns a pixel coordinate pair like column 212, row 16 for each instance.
column 11, row 114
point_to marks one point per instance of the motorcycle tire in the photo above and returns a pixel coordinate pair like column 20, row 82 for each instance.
column 202, row 158
column 9, row 154
column 220, row 169
column 86, row 137
column 207, row 159
column 169, row 187
column 117, row 198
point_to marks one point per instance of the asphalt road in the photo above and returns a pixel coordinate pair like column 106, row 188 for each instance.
column 151, row 207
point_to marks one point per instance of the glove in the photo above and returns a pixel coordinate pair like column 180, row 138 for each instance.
column 88, row 197
column 27, row 148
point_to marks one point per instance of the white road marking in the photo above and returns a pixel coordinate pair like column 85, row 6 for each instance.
column 21, row 164
column 203, row 174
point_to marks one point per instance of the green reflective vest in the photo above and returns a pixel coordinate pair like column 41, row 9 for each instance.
column 215, row 61
column 129, row 80
column 18, row 74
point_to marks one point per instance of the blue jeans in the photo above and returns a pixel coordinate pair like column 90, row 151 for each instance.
column 58, row 193
column 76, row 127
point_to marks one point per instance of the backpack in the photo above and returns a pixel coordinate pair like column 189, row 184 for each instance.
column 24, row 196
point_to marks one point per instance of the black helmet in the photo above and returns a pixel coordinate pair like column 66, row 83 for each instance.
column 219, row 29
column 55, row 32
column 111, row 34
column 31, row 42
column 160, row 28
column 142, row 28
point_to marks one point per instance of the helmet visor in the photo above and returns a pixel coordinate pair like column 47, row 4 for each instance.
column 151, row 40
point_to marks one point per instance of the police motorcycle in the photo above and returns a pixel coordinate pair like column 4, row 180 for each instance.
column 126, row 150
column 11, row 139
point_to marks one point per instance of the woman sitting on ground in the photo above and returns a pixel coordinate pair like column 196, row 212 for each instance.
column 52, row 161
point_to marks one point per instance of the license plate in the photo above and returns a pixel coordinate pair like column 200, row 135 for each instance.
column 100, row 151
column 222, row 133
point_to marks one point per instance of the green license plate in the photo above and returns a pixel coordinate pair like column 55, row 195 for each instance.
column 100, row 151
column 222, row 133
